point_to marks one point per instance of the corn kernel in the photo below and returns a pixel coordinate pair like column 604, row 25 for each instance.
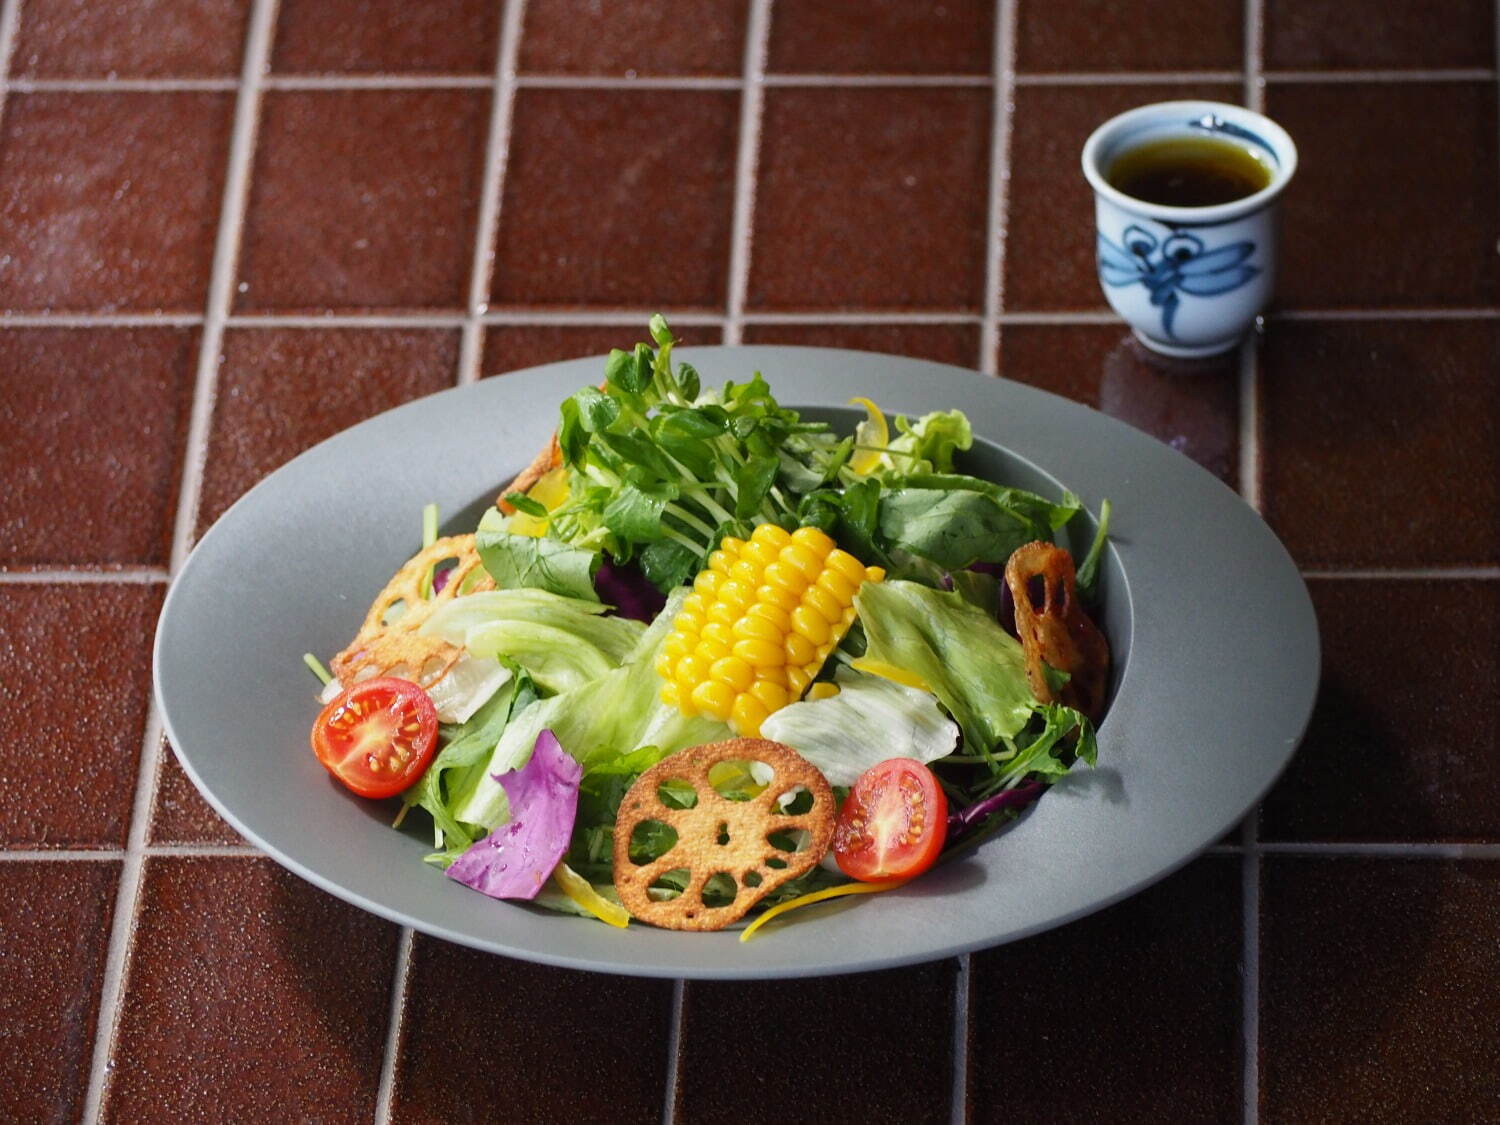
column 736, row 593
column 677, row 645
column 771, row 535
column 731, row 546
column 759, row 654
column 747, row 714
column 780, row 618
column 759, row 554
column 799, row 650
column 819, row 599
column 786, row 575
column 707, row 583
column 804, row 561
column 848, row 619
column 809, row 623
column 718, row 633
column 797, row 681
column 772, row 696
column 813, row 539
column 690, row 670
column 782, row 597
column 688, row 623
column 722, row 614
column 757, row 627
column 773, row 674
column 671, row 694
column 708, row 651
column 874, row 573
column 836, row 584
column 664, row 666
column 720, row 561
column 695, row 605
column 746, row 573
column 714, row 698
column 822, row 690
column 734, row 671
column 842, row 562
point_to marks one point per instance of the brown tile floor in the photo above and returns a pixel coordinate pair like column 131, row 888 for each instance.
column 198, row 280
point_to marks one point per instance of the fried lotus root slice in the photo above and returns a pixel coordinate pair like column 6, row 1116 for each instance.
column 1058, row 631
column 746, row 855
column 543, row 463
column 388, row 643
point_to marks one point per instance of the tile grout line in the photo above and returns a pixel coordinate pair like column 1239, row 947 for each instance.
column 616, row 316
column 221, row 282
column 496, row 160
column 674, row 1052
column 1127, row 78
column 1393, row 849
column 395, row 1027
column 1250, row 488
column 746, row 167
column 681, row 82
column 62, row 576
column 1003, row 66
column 958, row 1100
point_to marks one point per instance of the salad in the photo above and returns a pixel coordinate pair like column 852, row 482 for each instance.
column 706, row 656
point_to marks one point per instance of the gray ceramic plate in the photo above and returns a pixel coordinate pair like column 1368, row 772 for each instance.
column 1214, row 636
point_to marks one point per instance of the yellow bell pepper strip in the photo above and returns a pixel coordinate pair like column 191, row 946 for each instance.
column 820, row 896
column 582, row 892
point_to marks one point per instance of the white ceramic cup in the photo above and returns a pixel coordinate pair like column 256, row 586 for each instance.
column 1190, row 281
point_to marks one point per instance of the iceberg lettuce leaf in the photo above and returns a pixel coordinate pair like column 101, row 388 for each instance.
column 870, row 720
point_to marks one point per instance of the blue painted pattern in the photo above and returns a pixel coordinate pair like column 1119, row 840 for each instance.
column 1172, row 266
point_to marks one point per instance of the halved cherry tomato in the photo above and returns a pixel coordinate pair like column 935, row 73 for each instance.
column 893, row 823
column 377, row 736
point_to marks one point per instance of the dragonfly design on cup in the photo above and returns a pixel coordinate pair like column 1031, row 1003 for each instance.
column 1178, row 264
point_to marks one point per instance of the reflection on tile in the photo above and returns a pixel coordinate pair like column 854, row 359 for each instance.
column 957, row 344
column 1146, row 992
column 563, row 1045
column 1407, row 35
column 686, row 37
column 179, row 815
column 386, row 37
column 253, row 997
column 1393, row 751
column 363, row 199
column 1193, row 406
column 1049, row 248
column 75, row 679
column 868, row 1047
column 510, row 347
column 1106, row 35
column 1382, row 442
column 1379, row 984
column 94, row 422
column 1393, row 204
column 53, row 934
column 881, row 37
column 110, row 201
column 283, row 390
column 847, row 217
column 653, row 228
column 146, row 39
